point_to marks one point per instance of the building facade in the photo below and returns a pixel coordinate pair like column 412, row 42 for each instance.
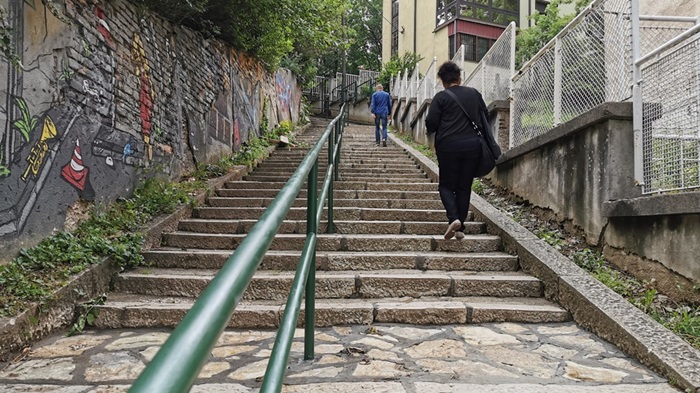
column 437, row 28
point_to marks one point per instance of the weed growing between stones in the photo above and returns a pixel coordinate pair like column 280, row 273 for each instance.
column 114, row 231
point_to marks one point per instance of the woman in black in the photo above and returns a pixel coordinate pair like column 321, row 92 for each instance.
column 456, row 143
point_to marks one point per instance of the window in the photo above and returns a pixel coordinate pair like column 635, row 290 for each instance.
column 500, row 12
column 474, row 47
column 395, row 27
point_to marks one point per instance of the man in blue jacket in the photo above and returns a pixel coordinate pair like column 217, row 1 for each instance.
column 381, row 108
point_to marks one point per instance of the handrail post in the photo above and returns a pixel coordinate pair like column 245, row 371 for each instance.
column 337, row 156
column 331, row 159
column 312, row 204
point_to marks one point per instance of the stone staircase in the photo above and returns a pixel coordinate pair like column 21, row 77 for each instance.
column 386, row 263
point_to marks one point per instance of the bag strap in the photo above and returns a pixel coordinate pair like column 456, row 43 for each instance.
column 476, row 128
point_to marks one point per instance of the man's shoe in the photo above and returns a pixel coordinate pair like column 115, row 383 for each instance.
column 459, row 235
column 384, row 142
column 452, row 229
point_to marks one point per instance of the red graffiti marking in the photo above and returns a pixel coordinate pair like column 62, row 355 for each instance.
column 146, row 104
column 236, row 135
column 75, row 172
column 102, row 25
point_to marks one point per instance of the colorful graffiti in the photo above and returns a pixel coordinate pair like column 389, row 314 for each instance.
column 76, row 174
column 102, row 25
column 146, row 92
column 284, row 92
column 37, row 154
column 221, row 119
column 94, row 103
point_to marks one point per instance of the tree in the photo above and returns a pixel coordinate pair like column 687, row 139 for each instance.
column 529, row 41
column 398, row 64
column 361, row 37
column 267, row 29
column 365, row 29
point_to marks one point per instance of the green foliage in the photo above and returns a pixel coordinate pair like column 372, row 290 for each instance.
column 26, row 124
column 552, row 237
column 365, row 35
column 398, row 64
column 267, row 29
column 588, row 259
column 116, row 232
column 529, row 41
column 88, row 316
column 4, row 171
column 478, row 187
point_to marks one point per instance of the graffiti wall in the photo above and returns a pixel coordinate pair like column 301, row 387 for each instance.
column 105, row 94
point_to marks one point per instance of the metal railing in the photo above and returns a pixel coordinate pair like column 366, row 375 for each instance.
column 493, row 75
column 426, row 87
column 413, row 83
column 364, row 89
column 458, row 59
column 667, row 115
column 175, row 367
column 588, row 63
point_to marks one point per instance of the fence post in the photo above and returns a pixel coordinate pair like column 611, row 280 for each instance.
column 637, row 109
column 312, row 204
column 557, row 81
column 511, row 85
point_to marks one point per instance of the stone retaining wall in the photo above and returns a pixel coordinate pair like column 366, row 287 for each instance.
column 109, row 92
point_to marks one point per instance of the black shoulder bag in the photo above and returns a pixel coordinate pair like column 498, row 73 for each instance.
column 490, row 151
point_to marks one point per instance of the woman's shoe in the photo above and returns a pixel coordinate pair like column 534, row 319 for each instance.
column 459, row 235
column 452, row 228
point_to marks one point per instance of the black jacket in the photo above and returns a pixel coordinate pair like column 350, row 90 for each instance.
column 447, row 120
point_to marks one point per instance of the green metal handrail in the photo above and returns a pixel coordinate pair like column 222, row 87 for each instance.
column 177, row 364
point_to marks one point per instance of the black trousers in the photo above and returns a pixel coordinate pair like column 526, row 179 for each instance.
column 456, row 176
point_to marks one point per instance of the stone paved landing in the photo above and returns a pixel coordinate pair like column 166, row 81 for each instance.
column 487, row 358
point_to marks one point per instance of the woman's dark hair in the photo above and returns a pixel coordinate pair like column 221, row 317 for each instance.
column 449, row 73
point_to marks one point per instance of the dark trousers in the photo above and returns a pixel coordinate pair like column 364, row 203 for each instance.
column 380, row 119
column 456, row 177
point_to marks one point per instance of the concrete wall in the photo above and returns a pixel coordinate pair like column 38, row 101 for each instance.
column 109, row 92
column 578, row 166
column 670, row 7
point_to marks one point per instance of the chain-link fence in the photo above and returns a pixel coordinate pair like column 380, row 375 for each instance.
column 331, row 88
column 670, row 91
column 426, row 88
column 586, row 64
column 458, row 58
column 656, row 31
column 492, row 76
column 367, row 76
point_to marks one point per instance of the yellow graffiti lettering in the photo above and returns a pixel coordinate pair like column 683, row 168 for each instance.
column 37, row 154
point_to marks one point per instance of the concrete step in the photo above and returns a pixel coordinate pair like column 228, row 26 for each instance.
column 345, row 177
column 280, row 171
column 341, row 185
column 276, row 285
column 339, row 213
column 337, row 202
column 139, row 311
column 342, row 166
column 337, row 242
column 299, row 226
column 340, row 194
column 335, row 261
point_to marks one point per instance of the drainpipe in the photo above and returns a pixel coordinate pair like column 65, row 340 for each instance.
column 415, row 22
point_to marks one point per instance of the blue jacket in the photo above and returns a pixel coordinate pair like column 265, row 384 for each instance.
column 381, row 103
